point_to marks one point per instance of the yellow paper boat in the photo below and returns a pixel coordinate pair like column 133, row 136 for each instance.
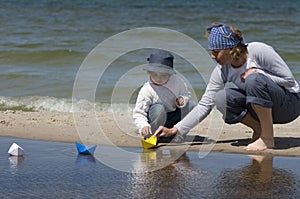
column 149, row 142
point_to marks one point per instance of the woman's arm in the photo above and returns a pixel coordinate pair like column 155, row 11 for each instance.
column 201, row 111
column 272, row 64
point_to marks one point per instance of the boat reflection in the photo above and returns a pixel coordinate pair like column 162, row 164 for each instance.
column 164, row 173
column 152, row 160
column 15, row 163
column 85, row 158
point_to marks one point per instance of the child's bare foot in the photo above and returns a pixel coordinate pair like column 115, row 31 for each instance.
column 260, row 144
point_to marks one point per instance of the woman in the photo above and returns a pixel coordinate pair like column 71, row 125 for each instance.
column 266, row 91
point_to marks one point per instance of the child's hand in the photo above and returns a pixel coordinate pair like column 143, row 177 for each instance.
column 146, row 130
column 180, row 101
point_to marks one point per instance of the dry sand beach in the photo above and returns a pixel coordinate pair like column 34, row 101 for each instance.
column 105, row 128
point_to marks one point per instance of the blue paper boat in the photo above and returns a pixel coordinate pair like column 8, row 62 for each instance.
column 82, row 149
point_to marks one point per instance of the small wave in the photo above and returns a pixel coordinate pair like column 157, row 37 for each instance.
column 52, row 104
column 29, row 56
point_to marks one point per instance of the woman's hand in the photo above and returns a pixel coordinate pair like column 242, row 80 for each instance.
column 245, row 74
column 165, row 132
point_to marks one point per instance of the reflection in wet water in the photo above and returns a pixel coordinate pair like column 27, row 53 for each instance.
column 55, row 170
column 181, row 178
column 177, row 180
column 15, row 163
column 257, row 180
column 151, row 160
column 85, row 159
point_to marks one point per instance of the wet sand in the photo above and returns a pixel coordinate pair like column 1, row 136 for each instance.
column 106, row 128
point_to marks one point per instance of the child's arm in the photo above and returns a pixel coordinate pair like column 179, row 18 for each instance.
column 140, row 111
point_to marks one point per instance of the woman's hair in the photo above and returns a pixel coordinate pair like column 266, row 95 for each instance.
column 241, row 48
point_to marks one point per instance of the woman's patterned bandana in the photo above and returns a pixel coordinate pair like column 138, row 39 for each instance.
column 221, row 37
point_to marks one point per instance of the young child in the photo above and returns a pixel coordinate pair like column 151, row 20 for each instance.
column 164, row 99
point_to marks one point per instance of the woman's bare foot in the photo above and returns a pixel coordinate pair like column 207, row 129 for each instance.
column 258, row 158
column 260, row 144
column 255, row 136
column 254, row 124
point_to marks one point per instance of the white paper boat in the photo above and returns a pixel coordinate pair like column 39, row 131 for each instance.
column 15, row 150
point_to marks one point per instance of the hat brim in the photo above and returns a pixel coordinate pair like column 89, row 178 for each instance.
column 159, row 68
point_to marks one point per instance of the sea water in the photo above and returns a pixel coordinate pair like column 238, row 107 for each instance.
column 55, row 170
column 44, row 43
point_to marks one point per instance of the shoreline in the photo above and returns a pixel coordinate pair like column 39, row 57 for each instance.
column 106, row 128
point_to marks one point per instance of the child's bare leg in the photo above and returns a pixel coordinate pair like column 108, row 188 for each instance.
column 266, row 139
column 249, row 121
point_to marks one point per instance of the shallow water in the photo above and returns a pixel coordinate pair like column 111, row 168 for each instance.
column 55, row 170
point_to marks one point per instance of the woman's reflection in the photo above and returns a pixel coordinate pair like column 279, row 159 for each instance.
column 257, row 180
column 181, row 178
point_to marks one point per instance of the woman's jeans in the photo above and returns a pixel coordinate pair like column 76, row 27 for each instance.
column 234, row 103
